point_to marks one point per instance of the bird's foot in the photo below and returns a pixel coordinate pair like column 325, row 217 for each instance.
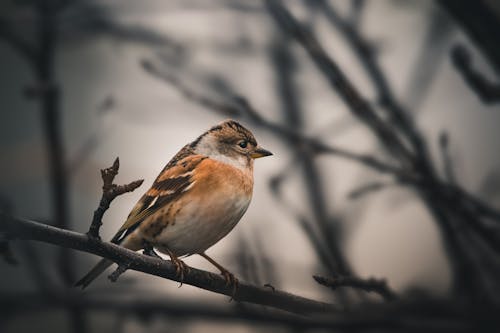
column 180, row 268
column 231, row 280
column 149, row 251
column 229, row 277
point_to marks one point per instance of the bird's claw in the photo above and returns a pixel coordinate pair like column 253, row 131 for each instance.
column 231, row 280
column 180, row 269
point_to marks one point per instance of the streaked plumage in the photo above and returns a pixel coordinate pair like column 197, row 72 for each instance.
column 196, row 200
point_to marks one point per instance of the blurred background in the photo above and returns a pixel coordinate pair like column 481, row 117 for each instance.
column 83, row 82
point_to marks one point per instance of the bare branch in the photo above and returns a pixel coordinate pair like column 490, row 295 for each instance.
column 369, row 285
column 30, row 230
column 398, row 116
column 368, row 189
column 122, row 268
column 359, row 107
column 487, row 91
column 109, row 192
column 241, row 108
column 444, row 143
column 478, row 20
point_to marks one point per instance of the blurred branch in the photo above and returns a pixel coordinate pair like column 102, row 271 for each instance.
column 337, row 79
column 365, row 52
column 41, row 59
column 487, row 91
column 445, row 153
column 285, row 67
column 448, row 208
column 369, row 285
column 458, row 214
column 109, row 192
column 93, row 18
column 30, row 230
column 430, row 56
column 239, row 107
column 414, row 316
column 368, row 189
column 356, row 11
column 480, row 22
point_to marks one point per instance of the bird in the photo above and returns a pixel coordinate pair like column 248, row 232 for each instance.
column 196, row 200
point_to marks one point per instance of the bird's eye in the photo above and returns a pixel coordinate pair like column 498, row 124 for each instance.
column 243, row 144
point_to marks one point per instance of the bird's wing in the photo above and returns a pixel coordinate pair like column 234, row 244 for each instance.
column 170, row 184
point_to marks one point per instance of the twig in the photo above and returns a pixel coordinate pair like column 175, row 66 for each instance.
column 359, row 107
column 109, row 192
column 284, row 64
column 30, row 230
column 369, row 188
column 122, row 268
column 369, row 285
column 478, row 20
column 445, row 153
column 241, row 108
column 487, row 91
column 398, row 116
column 445, row 207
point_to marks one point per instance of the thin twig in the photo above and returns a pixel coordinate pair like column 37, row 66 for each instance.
column 109, row 192
column 369, row 188
column 122, row 268
column 444, row 144
column 369, row 285
column 359, row 107
column 241, row 108
column 399, row 117
column 487, row 91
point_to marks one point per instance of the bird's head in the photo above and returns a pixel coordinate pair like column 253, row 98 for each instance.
column 231, row 143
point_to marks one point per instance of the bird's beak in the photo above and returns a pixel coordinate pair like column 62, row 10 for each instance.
column 260, row 152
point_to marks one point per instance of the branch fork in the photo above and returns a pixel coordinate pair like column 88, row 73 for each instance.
column 109, row 192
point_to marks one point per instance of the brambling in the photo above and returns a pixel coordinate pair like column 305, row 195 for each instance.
column 196, row 200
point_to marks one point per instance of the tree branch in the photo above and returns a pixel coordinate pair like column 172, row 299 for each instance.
column 369, row 285
column 109, row 192
column 480, row 22
column 420, row 316
column 241, row 108
column 444, row 143
column 487, row 91
column 16, row 228
column 359, row 107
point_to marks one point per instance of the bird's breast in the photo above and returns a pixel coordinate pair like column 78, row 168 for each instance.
column 219, row 197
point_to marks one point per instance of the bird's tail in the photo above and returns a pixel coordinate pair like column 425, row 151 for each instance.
column 94, row 273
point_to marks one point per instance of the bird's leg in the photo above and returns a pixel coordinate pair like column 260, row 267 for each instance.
column 149, row 250
column 228, row 276
column 180, row 266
